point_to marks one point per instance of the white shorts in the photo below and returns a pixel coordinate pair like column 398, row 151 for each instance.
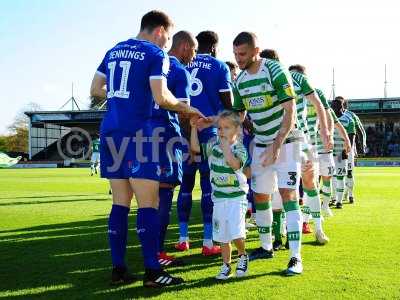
column 284, row 173
column 276, row 201
column 326, row 164
column 229, row 220
column 340, row 166
column 95, row 157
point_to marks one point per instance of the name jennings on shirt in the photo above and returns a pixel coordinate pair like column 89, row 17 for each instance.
column 126, row 54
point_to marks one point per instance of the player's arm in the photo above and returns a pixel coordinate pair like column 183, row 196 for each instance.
column 239, row 107
column 361, row 131
column 98, row 87
column 159, row 68
column 330, row 119
column 288, row 122
column 163, row 97
column 194, row 139
column 286, row 96
column 226, row 99
column 182, row 93
column 343, row 134
column 225, row 91
column 320, row 110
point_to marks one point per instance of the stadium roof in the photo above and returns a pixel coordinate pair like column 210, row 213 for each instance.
column 66, row 117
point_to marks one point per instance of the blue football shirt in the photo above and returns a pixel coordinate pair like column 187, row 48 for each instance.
column 178, row 80
column 209, row 76
column 128, row 68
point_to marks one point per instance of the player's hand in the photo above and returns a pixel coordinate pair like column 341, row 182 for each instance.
column 327, row 140
column 203, row 123
column 347, row 147
column 270, row 155
column 193, row 112
column 193, row 121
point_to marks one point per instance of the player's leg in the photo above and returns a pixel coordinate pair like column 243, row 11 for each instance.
column 334, row 186
column 165, row 194
column 207, row 212
column 97, row 164
column 326, row 170
column 144, row 180
column 350, row 178
column 118, row 229
column 263, row 185
column 221, row 234
column 92, row 162
column 313, row 200
column 288, row 169
column 118, row 218
column 148, row 229
column 341, row 170
column 277, row 221
column 171, row 175
column 184, row 204
column 236, row 222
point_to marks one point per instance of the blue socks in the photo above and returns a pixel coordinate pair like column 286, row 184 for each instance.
column 184, row 202
column 208, row 230
column 148, row 229
column 206, row 205
column 164, row 210
column 118, row 234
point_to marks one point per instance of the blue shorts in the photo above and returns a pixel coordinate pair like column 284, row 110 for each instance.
column 170, row 154
column 134, row 159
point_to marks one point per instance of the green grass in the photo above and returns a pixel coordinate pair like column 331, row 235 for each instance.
column 53, row 245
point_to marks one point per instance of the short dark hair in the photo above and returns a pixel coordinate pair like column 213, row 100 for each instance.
column 270, row 54
column 245, row 37
column 155, row 18
column 336, row 104
column 182, row 36
column 231, row 65
column 298, row 68
column 340, row 98
column 207, row 39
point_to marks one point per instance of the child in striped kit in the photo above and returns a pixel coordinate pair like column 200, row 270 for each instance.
column 227, row 157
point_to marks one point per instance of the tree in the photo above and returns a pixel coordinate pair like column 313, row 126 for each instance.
column 17, row 140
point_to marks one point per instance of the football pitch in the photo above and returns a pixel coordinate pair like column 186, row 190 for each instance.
column 53, row 245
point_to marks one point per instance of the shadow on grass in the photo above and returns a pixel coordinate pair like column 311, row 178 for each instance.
column 48, row 202
column 313, row 243
column 49, row 196
column 75, row 255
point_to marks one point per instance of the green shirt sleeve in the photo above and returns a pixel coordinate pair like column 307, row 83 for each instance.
column 306, row 88
column 281, row 81
column 360, row 127
column 237, row 100
column 335, row 119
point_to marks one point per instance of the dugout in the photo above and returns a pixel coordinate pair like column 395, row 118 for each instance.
column 49, row 128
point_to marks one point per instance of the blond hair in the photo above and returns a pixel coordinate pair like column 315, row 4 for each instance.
column 231, row 116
